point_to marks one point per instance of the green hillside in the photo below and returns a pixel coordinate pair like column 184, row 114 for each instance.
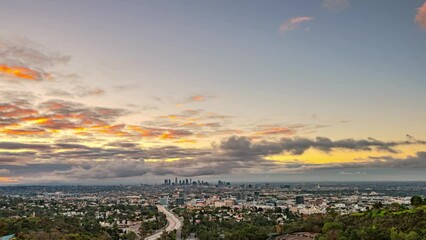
column 376, row 224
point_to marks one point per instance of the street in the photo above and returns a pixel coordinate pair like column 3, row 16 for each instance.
column 173, row 223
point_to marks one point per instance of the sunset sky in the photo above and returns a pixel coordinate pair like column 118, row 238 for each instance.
column 110, row 92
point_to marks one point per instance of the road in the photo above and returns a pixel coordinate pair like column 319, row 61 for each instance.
column 173, row 223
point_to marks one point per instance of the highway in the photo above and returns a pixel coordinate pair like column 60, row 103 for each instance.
column 173, row 223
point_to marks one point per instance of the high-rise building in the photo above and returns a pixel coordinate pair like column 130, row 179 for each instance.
column 179, row 201
column 164, row 201
column 300, row 200
column 256, row 195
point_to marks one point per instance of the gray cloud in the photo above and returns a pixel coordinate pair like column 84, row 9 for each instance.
column 232, row 155
column 16, row 146
column 24, row 52
column 59, row 93
column 79, row 91
column 83, row 91
column 34, row 60
column 115, row 169
column 120, row 88
column 417, row 161
column 245, row 147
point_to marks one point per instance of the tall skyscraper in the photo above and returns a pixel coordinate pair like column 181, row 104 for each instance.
column 300, row 200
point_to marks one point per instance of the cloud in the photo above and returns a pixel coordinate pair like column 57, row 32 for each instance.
column 79, row 91
column 18, row 97
column 76, row 161
column 4, row 171
column 87, row 92
column 121, row 88
column 24, row 132
column 7, row 180
column 421, row 16
column 336, row 5
column 116, row 169
column 276, row 131
column 225, row 162
column 24, row 52
column 196, row 98
column 293, row 23
column 22, row 73
column 15, row 146
column 20, row 117
column 244, row 146
column 24, row 60
column 417, row 161
column 68, row 140
column 59, row 93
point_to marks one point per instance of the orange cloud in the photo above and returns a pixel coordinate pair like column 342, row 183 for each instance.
column 19, row 113
column 117, row 130
column 197, row 98
column 160, row 133
column 12, row 110
column 7, row 180
column 28, row 132
column 293, row 23
column 421, row 16
column 20, row 72
column 141, row 131
column 62, row 117
column 167, row 135
column 277, row 131
column 191, row 141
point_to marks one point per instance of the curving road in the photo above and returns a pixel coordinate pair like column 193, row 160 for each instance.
column 173, row 223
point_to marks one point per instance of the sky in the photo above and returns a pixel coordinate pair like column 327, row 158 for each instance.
column 129, row 92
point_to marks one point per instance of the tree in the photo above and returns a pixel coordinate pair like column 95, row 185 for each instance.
column 412, row 236
column 416, row 201
column 166, row 236
column 129, row 236
column 328, row 226
column 332, row 230
column 378, row 205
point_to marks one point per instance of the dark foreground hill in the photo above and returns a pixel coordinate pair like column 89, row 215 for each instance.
column 381, row 223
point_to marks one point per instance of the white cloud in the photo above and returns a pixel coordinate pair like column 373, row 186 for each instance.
column 293, row 23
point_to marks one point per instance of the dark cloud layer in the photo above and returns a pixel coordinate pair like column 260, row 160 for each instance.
column 245, row 147
column 232, row 155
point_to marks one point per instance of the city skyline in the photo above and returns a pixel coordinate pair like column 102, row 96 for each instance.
column 130, row 92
